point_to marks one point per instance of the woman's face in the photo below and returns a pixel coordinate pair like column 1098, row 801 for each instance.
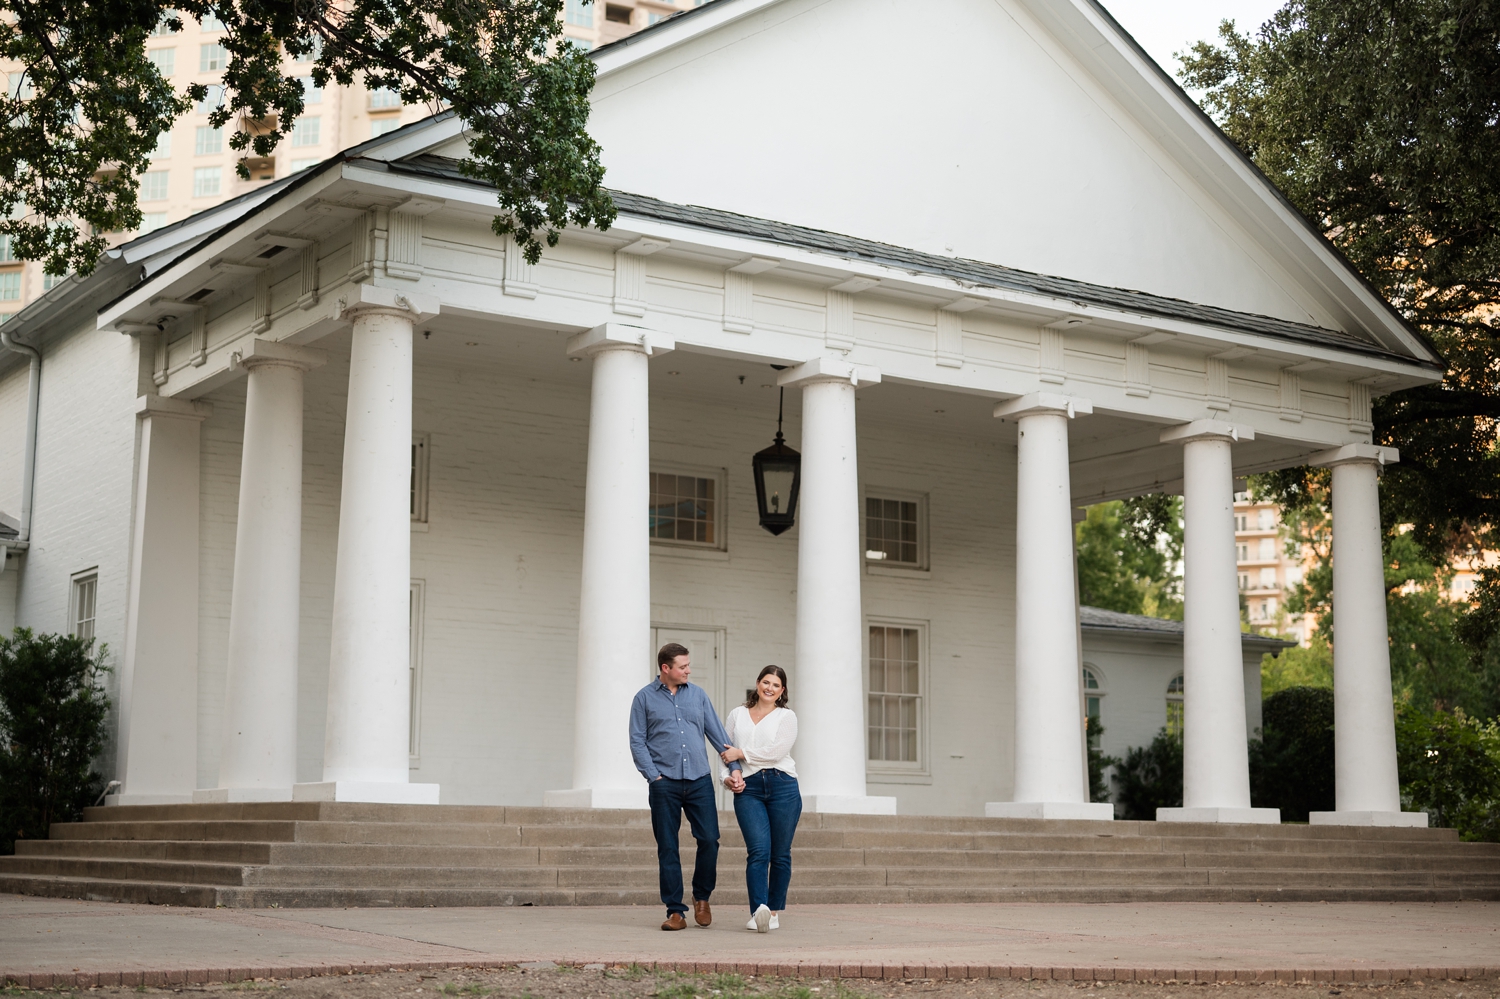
column 770, row 688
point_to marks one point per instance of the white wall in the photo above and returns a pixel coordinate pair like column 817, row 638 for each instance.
column 12, row 434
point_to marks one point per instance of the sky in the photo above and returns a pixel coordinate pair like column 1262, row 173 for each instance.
column 1166, row 26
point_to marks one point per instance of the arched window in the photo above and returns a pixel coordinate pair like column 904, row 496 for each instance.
column 1174, row 705
column 1093, row 697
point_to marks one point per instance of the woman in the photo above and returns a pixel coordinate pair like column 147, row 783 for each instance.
column 767, row 800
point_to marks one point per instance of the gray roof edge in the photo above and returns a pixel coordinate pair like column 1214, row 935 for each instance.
column 1097, row 619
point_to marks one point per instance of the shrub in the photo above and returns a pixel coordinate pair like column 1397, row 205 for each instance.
column 1450, row 769
column 1098, row 785
column 52, row 713
column 1291, row 767
column 1150, row 777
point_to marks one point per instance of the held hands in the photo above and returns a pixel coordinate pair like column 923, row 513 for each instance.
column 734, row 781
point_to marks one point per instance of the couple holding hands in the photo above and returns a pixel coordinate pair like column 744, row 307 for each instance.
column 669, row 721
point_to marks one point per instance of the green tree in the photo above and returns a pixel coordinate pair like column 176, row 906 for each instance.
column 52, row 712
column 85, row 110
column 1150, row 777
column 1128, row 556
column 1298, row 667
column 1378, row 121
column 1291, row 764
column 1450, row 768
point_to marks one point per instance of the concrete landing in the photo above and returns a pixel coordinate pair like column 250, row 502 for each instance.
column 49, row 942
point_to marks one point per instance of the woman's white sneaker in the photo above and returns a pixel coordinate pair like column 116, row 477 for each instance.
column 761, row 921
column 775, row 921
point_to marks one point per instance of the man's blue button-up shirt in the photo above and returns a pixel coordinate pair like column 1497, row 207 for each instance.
column 667, row 732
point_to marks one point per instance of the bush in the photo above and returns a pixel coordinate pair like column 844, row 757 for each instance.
column 1098, row 786
column 1450, row 769
column 52, row 712
column 1149, row 778
column 1291, row 767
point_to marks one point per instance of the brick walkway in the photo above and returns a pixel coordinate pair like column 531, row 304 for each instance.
column 53, row 942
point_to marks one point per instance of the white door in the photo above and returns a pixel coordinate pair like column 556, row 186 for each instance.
column 706, row 648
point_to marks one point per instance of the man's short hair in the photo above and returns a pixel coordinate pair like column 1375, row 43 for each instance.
column 669, row 652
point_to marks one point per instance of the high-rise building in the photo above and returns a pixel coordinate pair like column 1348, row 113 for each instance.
column 1266, row 571
column 193, row 166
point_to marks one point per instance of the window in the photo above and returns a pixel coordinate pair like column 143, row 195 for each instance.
column 50, row 281
column 580, row 12
column 1093, row 698
column 209, row 141
column 312, row 54
column 1267, row 549
column 82, row 604
column 165, row 60
column 1244, row 581
column 685, row 509
column 311, row 92
column 1267, row 609
column 380, row 126
column 1266, row 519
column 7, row 252
column 152, row 221
column 19, row 86
column 894, row 715
column 1268, row 578
column 893, row 534
column 210, row 23
column 416, row 606
column 10, row 286
column 385, row 97
column 163, row 146
column 154, row 185
column 162, row 30
column 304, row 164
column 211, row 100
column 212, row 58
column 617, row 14
column 1242, row 553
column 206, row 182
column 653, row 17
column 420, row 445
column 582, row 43
column 307, row 131
column 1174, row 705
column 1239, row 522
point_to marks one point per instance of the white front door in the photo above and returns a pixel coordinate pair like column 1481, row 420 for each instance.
column 706, row 647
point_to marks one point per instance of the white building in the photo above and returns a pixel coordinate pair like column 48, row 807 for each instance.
column 356, row 495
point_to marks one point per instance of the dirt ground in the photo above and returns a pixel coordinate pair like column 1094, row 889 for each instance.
column 636, row 983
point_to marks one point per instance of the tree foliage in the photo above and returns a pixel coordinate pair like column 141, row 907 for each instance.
column 1381, row 122
column 1450, row 769
column 52, row 713
column 1129, row 555
column 86, row 110
column 1149, row 777
column 1291, row 764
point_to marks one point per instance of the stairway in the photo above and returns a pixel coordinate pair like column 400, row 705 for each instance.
column 324, row 854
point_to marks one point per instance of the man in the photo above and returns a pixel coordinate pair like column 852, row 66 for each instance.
column 669, row 720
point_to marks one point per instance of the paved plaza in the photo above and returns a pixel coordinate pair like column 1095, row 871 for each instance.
column 80, row 942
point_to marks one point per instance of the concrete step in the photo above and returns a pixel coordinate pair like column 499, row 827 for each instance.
column 123, row 870
column 149, row 849
column 238, row 831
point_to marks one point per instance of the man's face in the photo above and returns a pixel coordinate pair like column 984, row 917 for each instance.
column 676, row 672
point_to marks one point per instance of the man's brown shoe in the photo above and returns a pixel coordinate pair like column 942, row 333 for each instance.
column 701, row 912
column 675, row 922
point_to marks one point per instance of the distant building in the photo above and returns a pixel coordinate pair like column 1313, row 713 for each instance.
column 1266, row 571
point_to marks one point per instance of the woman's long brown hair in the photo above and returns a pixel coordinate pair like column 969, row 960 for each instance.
column 754, row 697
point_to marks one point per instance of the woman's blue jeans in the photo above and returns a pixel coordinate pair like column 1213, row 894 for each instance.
column 768, row 810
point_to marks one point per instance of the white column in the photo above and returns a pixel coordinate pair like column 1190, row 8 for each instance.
column 614, row 607
column 158, row 741
column 828, row 682
column 1051, row 769
column 1216, row 762
column 1366, row 790
column 258, row 760
column 366, row 740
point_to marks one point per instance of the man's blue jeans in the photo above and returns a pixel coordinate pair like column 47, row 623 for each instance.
column 768, row 810
column 669, row 799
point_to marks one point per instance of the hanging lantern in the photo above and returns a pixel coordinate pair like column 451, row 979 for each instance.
column 778, row 476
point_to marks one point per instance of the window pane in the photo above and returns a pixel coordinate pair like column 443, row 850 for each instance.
column 891, row 528
column 209, row 141
column 307, row 132
column 154, row 185
column 682, row 508
column 206, row 182
column 10, row 286
column 165, row 60
column 212, row 58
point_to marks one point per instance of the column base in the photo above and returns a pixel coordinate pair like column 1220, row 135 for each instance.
column 1409, row 820
column 148, row 799
column 849, row 804
column 1092, row 811
column 598, row 797
column 236, row 795
column 374, row 792
column 1258, row 816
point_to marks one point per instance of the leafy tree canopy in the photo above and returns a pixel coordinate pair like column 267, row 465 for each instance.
column 1129, row 553
column 85, row 111
column 1381, row 122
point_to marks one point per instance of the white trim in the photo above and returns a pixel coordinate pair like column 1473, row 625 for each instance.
column 422, row 466
column 922, row 568
column 719, row 547
column 418, row 612
column 90, row 574
column 875, row 770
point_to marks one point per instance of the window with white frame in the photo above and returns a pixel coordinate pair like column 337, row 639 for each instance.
column 307, row 132
column 83, row 603
column 311, row 92
column 165, row 60
column 580, row 12
column 163, row 146
column 211, row 100
column 894, row 529
column 299, row 165
column 1267, row 549
column 152, row 221
column 10, row 286
column 894, row 712
column 1244, row 581
column 687, row 508
column 162, row 29
column 206, row 181
column 385, row 97
column 420, row 446
column 208, row 141
column 1268, row 578
column 50, row 281
column 1174, row 705
column 415, row 607
column 154, row 185
column 1093, row 701
column 1242, row 553
column 380, row 126
column 212, row 57
column 7, row 251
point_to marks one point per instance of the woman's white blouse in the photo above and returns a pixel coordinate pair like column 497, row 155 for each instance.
column 767, row 746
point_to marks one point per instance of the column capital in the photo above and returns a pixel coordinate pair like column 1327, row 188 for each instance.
column 171, row 407
column 1207, row 430
column 1355, row 454
column 620, row 336
column 1037, row 403
column 829, row 369
column 258, row 352
column 366, row 299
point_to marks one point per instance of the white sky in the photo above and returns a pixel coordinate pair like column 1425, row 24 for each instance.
column 1166, row 26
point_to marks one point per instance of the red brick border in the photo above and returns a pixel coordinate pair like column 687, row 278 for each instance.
column 200, row 976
